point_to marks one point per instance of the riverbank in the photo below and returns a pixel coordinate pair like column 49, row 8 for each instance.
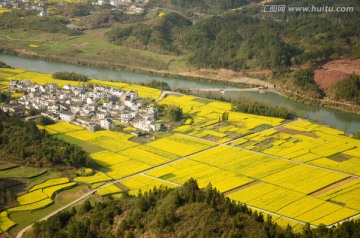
column 341, row 120
column 213, row 76
column 116, row 66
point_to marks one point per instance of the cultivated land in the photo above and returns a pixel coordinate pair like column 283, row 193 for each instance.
column 297, row 171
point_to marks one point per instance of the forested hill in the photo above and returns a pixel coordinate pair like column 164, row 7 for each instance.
column 251, row 39
column 23, row 143
column 248, row 39
column 184, row 212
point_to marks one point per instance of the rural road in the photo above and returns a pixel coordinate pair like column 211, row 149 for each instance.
column 165, row 93
column 227, row 89
column 21, row 233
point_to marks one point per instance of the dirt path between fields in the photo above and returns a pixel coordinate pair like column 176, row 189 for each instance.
column 333, row 186
column 248, row 185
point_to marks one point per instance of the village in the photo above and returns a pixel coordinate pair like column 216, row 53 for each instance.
column 94, row 108
column 128, row 6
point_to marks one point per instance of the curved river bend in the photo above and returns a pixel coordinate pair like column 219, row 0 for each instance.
column 341, row 120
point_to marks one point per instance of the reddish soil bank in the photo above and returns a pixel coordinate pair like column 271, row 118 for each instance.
column 335, row 71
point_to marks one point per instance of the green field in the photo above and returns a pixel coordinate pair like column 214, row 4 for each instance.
column 86, row 47
column 25, row 218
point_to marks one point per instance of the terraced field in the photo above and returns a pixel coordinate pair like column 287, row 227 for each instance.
column 36, row 189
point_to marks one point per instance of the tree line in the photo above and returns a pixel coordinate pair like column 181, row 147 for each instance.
column 262, row 109
column 170, row 112
column 22, row 142
column 347, row 89
column 70, row 76
column 4, row 65
column 157, row 84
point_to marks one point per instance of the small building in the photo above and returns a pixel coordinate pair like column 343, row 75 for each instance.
column 106, row 124
column 67, row 116
column 92, row 126
column 154, row 126
column 102, row 115
column 125, row 117
column 44, row 14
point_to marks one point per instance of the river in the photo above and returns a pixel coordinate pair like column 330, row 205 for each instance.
column 341, row 120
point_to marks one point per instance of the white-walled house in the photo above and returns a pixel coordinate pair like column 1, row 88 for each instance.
column 125, row 117
column 67, row 116
column 148, row 126
column 155, row 126
column 102, row 115
column 106, row 123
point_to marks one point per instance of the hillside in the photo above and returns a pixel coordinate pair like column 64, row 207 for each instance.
column 183, row 212
column 348, row 89
column 251, row 40
column 22, row 142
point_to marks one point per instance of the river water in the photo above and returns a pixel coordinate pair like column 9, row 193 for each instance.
column 341, row 120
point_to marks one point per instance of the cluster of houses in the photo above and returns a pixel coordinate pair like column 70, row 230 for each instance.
column 94, row 108
column 25, row 4
column 129, row 6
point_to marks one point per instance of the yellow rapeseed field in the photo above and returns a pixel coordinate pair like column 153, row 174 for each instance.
column 180, row 145
column 127, row 168
column 304, row 178
column 347, row 194
column 83, row 135
column 108, row 189
column 2, row 10
column 96, row 178
column 107, row 158
column 32, row 206
column 144, row 183
column 31, row 197
column 64, row 127
column 114, row 145
column 51, row 191
column 141, row 154
column 327, row 213
column 49, row 183
column 5, row 222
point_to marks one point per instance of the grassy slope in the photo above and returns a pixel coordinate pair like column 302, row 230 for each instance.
column 90, row 46
column 25, row 218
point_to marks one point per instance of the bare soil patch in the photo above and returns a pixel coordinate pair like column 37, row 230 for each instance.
column 242, row 187
column 26, row 52
column 333, row 186
column 296, row 132
column 339, row 157
column 71, row 193
column 335, row 71
column 229, row 75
